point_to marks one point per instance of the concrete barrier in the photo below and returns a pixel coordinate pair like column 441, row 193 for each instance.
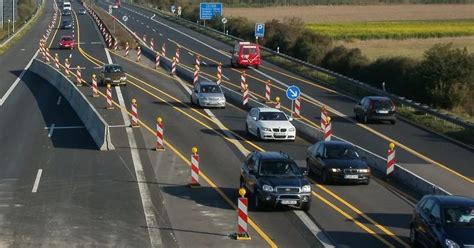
column 94, row 123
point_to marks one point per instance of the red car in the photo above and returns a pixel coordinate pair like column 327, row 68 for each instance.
column 67, row 42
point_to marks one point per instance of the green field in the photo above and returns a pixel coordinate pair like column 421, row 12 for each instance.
column 395, row 30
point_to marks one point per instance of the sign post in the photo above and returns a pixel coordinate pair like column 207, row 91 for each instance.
column 173, row 8
column 110, row 9
column 179, row 11
column 259, row 31
column 292, row 93
column 125, row 19
column 224, row 21
column 207, row 11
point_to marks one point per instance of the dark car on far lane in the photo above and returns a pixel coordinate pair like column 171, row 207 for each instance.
column 443, row 221
column 82, row 11
column 66, row 25
column 375, row 108
column 337, row 161
column 66, row 12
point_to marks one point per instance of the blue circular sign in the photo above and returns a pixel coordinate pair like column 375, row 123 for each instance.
column 293, row 92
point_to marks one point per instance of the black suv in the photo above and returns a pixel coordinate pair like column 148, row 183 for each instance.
column 274, row 179
column 375, row 108
column 443, row 221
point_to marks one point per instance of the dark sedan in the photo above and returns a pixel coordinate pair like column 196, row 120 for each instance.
column 66, row 25
column 375, row 108
column 443, row 221
column 337, row 161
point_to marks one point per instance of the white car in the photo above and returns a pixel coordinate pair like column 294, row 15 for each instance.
column 270, row 123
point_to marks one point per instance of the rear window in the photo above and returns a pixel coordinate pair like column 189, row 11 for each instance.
column 249, row 50
column 382, row 104
column 67, row 39
column 113, row 69
column 210, row 89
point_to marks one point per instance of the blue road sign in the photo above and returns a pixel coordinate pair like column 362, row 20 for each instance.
column 293, row 92
column 260, row 30
column 173, row 8
column 209, row 10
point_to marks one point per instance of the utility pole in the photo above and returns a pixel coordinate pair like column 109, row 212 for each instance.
column 13, row 29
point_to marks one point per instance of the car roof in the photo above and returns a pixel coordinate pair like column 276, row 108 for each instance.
column 267, row 109
column 453, row 200
column 378, row 98
column 274, row 155
column 207, row 83
column 109, row 65
column 335, row 143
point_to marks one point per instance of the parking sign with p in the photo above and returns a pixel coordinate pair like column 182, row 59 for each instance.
column 259, row 30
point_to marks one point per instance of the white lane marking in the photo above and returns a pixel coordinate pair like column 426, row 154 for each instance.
column 190, row 53
column 153, row 30
column 122, row 103
column 322, row 237
column 204, row 63
column 114, row 126
column 161, row 34
column 59, row 100
column 51, row 130
column 15, row 83
column 96, row 43
column 63, row 127
column 147, row 26
column 70, row 55
column 37, row 180
column 224, row 76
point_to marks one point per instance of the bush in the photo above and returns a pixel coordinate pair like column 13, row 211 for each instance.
column 26, row 10
column 345, row 61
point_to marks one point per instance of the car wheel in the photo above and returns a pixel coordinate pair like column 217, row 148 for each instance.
column 191, row 100
column 325, row 177
column 305, row 206
column 366, row 182
column 413, row 237
column 258, row 134
column 256, row 201
column 247, row 128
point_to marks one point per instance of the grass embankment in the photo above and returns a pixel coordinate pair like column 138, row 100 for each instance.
column 395, row 30
column 118, row 32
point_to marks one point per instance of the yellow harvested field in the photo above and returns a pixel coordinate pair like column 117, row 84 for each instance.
column 413, row 48
column 357, row 13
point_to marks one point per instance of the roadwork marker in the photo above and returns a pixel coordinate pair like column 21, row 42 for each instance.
column 157, row 60
column 268, row 91
column 390, row 160
column 196, row 74
column 95, row 92
column 219, row 73
column 109, row 97
column 159, row 135
column 297, row 108
column 163, row 50
column 66, row 67
column 242, row 216
column 327, row 129
column 173, row 66
column 127, row 47
column 134, row 113
column 194, row 168
column 277, row 102
column 245, row 96
column 78, row 76
column 324, row 115
column 139, row 54
column 243, row 79
column 177, row 55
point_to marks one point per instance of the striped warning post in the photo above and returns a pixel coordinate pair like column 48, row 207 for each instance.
column 219, row 73
column 324, row 114
column 47, row 56
column 115, row 45
column 66, row 67
column 139, row 54
column 277, row 102
column 328, row 129
column 152, row 44
column 198, row 60
column 144, row 38
column 268, row 91
column 245, row 96
column 177, row 55
column 157, row 60
column 173, row 66
column 134, row 113
column 298, row 107
column 196, row 74
column 95, row 92
column 110, row 40
column 78, row 76
column 159, row 135
column 243, row 79
column 163, row 50
column 56, row 61
column 390, row 159
column 109, row 97
column 242, row 216
column 127, row 47
column 194, row 168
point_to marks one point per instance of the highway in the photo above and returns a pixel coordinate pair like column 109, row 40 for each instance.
column 135, row 196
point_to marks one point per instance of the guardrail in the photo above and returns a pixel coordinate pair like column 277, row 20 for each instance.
column 398, row 99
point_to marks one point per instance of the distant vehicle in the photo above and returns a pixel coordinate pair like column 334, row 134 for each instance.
column 274, row 179
column 245, row 54
column 82, row 12
column 112, row 74
column 337, row 161
column 66, row 25
column 375, row 108
column 208, row 94
column 67, row 6
column 67, row 42
column 270, row 123
column 66, row 12
column 443, row 221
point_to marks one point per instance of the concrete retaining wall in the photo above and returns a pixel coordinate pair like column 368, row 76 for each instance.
column 95, row 125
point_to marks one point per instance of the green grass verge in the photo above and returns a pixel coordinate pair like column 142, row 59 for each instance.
column 395, row 30
column 430, row 122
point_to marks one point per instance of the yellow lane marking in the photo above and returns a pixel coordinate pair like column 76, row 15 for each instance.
column 188, row 162
column 373, row 131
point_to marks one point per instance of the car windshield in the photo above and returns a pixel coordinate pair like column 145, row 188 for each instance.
column 67, row 39
column 382, row 104
column 113, row 69
column 340, row 152
column 280, row 168
column 67, row 23
column 272, row 116
column 459, row 216
column 210, row 89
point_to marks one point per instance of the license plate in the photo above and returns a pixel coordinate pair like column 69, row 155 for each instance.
column 382, row 111
column 351, row 176
column 288, row 202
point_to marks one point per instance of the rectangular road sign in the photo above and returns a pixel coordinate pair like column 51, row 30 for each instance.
column 209, row 10
column 260, row 30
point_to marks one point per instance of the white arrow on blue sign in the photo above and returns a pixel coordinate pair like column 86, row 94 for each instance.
column 293, row 92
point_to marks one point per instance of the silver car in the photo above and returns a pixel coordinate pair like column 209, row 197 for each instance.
column 208, row 94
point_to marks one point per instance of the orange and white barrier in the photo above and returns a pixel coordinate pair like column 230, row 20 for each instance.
column 127, row 47
column 115, row 45
column 163, row 50
column 242, row 216
column 110, row 40
column 243, row 79
column 47, row 56
column 135, row 113
column 109, row 97
column 196, row 74
column 177, row 55
column 144, row 38
column 277, row 102
column 66, row 67
column 152, row 44
column 173, row 66
column 194, row 168
column 95, row 92
column 157, row 60
column 56, row 61
column 324, row 115
column 219, row 73
column 268, row 91
column 159, row 135
column 78, row 76
column 245, row 96
column 198, row 60
column 328, row 129
column 139, row 54
column 390, row 159
column 298, row 107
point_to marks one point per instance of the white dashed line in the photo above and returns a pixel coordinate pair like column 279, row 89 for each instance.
column 59, row 100
column 37, row 180
column 51, row 130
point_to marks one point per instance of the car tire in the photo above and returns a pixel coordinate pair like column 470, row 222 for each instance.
column 191, row 100
column 256, row 202
column 366, row 182
column 414, row 237
column 305, row 206
column 258, row 134
column 325, row 177
column 247, row 128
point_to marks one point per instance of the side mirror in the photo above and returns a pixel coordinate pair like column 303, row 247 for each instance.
column 290, row 119
column 254, row 118
column 305, row 171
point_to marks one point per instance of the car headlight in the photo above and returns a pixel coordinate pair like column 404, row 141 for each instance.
column 291, row 129
column 108, row 79
column 334, row 170
column 451, row 244
column 364, row 170
column 265, row 129
column 123, row 78
column 306, row 189
column 267, row 188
